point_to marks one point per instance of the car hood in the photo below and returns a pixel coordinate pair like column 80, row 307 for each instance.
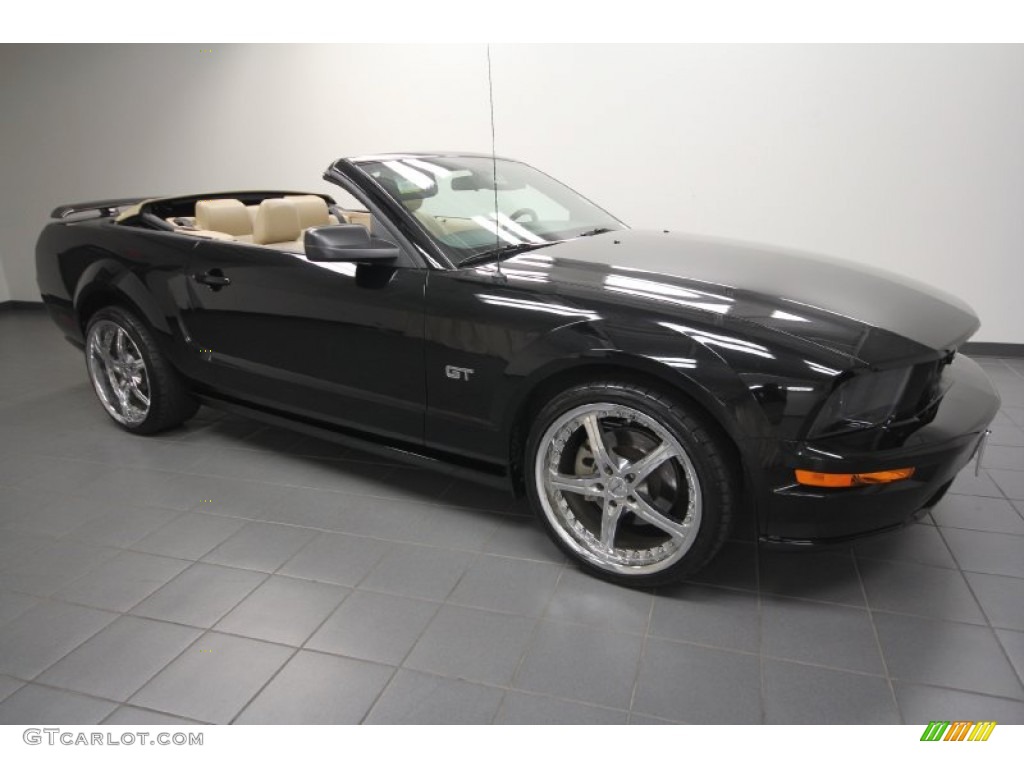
column 831, row 302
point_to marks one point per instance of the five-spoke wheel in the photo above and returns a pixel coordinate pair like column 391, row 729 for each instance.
column 118, row 372
column 136, row 385
column 630, row 484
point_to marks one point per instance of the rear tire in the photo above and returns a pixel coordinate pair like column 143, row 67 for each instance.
column 136, row 385
column 652, row 503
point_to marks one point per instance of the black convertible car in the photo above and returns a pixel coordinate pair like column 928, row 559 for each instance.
column 641, row 388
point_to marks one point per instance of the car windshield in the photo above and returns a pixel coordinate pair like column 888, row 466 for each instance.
column 453, row 198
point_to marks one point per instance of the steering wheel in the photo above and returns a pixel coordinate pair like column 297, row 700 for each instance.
column 524, row 212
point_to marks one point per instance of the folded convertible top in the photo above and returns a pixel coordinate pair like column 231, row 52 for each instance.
column 104, row 207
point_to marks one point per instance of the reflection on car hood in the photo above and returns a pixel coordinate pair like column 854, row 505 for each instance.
column 814, row 297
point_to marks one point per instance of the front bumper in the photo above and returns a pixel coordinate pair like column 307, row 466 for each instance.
column 937, row 450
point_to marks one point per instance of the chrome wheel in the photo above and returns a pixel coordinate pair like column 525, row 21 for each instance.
column 618, row 488
column 118, row 373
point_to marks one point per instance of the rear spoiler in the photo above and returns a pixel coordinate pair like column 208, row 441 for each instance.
column 104, row 207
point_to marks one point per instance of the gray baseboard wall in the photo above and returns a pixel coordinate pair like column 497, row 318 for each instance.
column 992, row 349
column 983, row 348
column 6, row 306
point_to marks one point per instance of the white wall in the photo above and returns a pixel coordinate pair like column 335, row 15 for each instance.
column 94, row 122
column 905, row 157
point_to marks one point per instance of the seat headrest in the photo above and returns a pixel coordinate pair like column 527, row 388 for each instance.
column 409, row 203
column 227, row 215
column 312, row 210
column 277, row 221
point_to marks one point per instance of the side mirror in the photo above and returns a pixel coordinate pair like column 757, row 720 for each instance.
column 347, row 242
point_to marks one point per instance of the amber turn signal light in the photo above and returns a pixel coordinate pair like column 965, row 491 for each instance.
column 841, row 480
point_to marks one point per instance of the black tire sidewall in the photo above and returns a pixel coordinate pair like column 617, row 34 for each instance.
column 165, row 390
column 709, row 461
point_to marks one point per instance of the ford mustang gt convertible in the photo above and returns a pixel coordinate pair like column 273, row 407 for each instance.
column 642, row 389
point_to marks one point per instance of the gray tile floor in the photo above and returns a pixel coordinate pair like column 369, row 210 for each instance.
column 231, row 572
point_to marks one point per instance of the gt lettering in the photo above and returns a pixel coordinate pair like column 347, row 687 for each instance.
column 455, row 372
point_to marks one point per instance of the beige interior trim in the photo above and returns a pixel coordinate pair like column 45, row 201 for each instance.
column 223, row 215
column 132, row 210
column 209, row 234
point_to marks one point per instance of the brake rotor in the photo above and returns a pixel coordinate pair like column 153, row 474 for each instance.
column 626, row 445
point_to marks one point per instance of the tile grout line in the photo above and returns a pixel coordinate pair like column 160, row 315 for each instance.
column 401, row 664
column 155, row 711
column 440, row 604
column 1006, row 364
column 206, row 629
column 303, row 646
column 433, row 500
column 551, row 696
column 540, row 618
column 203, row 631
column 654, row 593
column 128, row 612
column 761, row 697
column 510, row 688
column 503, row 688
column 477, row 555
column 409, row 542
column 117, row 704
column 984, row 613
column 318, row 534
column 878, row 639
column 295, row 652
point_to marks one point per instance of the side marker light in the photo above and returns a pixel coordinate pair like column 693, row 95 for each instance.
column 850, row 480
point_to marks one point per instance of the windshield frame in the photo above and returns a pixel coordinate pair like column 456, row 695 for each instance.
column 434, row 251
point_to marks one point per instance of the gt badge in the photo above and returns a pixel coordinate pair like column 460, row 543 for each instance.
column 455, row 372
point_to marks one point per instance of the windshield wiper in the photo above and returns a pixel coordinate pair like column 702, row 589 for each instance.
column 504, row 252
column 512, row 249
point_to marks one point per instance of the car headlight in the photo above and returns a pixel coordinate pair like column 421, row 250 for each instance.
column 861, row 402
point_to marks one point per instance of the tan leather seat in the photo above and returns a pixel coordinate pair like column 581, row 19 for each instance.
column 362, row 218
column 453, row 225
column 429, row 222
column 225, row 215
column 313, row 211
column 412, row 204
column 278, row 225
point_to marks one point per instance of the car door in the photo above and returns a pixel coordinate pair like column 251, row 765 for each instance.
column 335, row 342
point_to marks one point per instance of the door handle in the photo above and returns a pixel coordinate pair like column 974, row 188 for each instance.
column 214, row 279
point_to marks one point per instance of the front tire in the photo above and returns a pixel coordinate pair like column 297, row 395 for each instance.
column 636, row 487
column 135, row 384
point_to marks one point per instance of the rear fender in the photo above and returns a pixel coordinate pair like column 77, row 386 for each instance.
column 107, row 281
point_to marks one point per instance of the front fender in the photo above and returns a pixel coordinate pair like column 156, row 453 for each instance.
column 574, row 351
